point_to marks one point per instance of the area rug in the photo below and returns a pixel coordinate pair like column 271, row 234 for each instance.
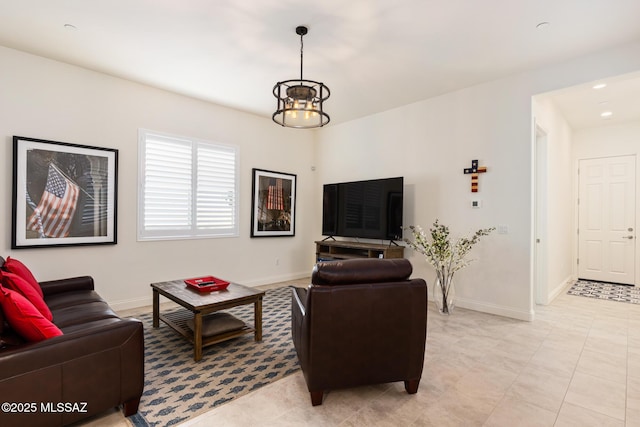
column 177, row 388
column 606, row 291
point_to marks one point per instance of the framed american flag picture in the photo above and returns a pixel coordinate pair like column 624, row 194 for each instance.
column 273, row 203
column 63, row 194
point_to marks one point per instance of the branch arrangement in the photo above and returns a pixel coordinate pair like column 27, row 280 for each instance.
column 445, row 255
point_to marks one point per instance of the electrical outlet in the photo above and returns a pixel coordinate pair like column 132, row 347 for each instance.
column 503, row 229
column 277, row 261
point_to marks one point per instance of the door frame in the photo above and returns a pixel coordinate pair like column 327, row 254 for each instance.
column 540, row 190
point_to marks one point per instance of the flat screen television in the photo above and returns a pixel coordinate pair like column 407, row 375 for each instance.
column 369, row 209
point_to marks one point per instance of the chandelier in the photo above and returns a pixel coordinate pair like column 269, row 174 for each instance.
column 300, row 101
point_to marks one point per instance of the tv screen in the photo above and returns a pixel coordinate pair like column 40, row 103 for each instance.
column 369, row 209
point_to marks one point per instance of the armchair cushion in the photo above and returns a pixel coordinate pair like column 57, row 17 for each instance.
column 355, row 271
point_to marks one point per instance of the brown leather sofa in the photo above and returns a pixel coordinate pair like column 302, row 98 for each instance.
column 97, row 364
column 361, row 321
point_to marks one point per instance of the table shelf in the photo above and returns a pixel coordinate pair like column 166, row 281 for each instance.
column 177, row 320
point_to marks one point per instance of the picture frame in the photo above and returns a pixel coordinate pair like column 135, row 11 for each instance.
column 273, row 204
column 63, row 194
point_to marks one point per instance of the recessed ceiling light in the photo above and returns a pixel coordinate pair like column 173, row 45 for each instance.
column 606, row 114
column 542, row 25
column 600, row 86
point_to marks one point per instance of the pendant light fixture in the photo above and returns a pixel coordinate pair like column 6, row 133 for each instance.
column 300, row 101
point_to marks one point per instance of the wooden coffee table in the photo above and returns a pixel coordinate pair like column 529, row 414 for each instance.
column 198, row 304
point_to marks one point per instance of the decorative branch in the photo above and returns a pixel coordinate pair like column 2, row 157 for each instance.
column 444, row 255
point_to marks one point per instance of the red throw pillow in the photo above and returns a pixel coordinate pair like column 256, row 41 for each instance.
column 24, row 318
column 18, row 284
column 14, row 266
column 1, row 325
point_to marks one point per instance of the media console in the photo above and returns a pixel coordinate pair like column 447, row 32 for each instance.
column 327, row 250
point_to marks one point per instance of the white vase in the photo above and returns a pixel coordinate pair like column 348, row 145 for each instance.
column 444, row 294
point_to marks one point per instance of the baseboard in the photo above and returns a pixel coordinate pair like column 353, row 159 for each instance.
column 495, row 309
column 560, row 288
column 276, row 279
column 147, row 301
column 131, row 303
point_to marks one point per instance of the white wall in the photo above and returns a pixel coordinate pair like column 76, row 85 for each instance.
column 40, row 98
column 430, row 142
column 607, row 141
column 558, row 215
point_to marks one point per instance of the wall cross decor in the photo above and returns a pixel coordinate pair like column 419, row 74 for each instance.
column 475, row 170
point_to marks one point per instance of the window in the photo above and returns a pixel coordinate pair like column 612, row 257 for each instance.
column 187, row 188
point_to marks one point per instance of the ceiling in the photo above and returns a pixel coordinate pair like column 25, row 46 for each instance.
column 374, row 55
column 588, row 105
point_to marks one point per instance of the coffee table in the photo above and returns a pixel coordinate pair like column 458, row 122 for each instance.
column 199, row 304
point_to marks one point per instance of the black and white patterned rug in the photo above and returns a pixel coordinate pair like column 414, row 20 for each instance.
column 177, row 388
column 606, row 291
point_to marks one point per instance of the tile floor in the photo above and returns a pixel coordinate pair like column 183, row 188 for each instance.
column 577, row 364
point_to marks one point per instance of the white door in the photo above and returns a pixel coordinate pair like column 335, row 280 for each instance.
column 606, row 219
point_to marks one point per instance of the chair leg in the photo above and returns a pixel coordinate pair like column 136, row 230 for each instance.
column 316, row 397
column 412, row 386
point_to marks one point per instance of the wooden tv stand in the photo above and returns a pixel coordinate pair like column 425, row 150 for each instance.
column 327, row 250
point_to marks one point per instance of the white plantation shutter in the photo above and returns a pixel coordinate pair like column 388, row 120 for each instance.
column 167, row 184
column 216, row 187
column 188, row 188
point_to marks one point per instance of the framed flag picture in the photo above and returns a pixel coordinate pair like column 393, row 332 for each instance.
column 273, row 201
column 63, row 194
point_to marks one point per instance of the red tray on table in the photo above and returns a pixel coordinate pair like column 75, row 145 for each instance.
column 207, row 284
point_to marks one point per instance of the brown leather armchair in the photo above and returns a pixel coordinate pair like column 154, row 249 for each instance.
column 361, row 321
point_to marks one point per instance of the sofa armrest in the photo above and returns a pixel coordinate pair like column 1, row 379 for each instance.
column 102, row 366
column 104, row 334
column 82, row 283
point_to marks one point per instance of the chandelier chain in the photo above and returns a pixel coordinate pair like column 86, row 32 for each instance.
column 301, row 56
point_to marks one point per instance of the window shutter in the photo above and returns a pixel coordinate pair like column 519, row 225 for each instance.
column 216, row 189
column 188, row 188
